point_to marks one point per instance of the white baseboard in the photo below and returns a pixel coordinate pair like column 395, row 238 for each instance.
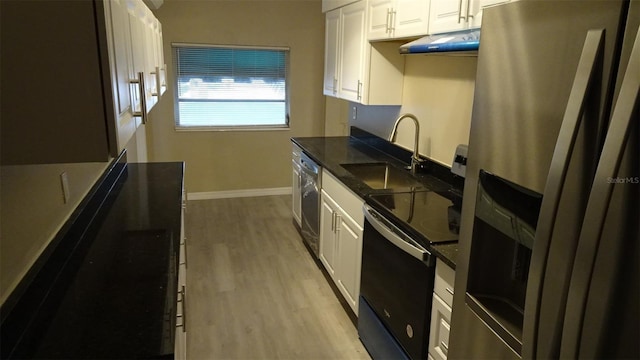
column 238, row 193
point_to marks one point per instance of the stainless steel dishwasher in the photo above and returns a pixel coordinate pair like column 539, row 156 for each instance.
column 310, row 194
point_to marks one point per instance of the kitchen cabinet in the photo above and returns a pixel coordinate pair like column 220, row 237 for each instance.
column 146, row 33
column 328, row 5
column 341, row 226
column 181, row 317
column 331, row 54
column 352, row 51
column 441, row 311
column 446, row 15
column 356, row 70
column 121, row 68
column 396, row 19
column 296, row 198
column 67, row 93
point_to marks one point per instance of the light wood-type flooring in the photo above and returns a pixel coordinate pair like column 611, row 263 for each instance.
column 253, row 290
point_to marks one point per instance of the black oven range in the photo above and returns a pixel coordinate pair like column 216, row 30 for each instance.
column 398, row 269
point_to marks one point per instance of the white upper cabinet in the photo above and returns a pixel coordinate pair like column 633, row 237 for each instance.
column 395, row 19
column 331, row 52
column 92, row 51
column 356, row 70
column 328, row 5
column 121, row 66
column 352, row 51
column 148, row 58
column 474, row 15
column 447, row 15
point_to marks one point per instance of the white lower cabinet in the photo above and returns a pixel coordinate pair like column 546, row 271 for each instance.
column 441, row 312
column 341, row 224
column 181, row 308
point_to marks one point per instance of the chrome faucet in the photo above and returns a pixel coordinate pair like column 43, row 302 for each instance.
column 415, row 158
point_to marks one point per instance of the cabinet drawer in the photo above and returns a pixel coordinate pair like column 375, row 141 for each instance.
column 349, row 202
column 444, row 282
column 440, row 325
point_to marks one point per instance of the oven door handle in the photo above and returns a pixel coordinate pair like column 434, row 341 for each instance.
column 394, row 235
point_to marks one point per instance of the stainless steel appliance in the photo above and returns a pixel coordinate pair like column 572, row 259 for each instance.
column 310, row 193
column 549, row 239
column 398, row 271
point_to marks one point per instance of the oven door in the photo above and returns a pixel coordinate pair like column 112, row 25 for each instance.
column 397, row 286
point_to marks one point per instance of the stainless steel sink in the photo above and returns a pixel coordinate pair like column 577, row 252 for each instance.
column 382, row 175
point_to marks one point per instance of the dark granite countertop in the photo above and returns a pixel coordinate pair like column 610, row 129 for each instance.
column 106, row 286
column 362, row 148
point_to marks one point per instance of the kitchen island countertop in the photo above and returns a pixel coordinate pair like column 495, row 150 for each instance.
column 106, row 285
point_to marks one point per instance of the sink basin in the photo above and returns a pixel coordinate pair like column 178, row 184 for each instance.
column 381, row 176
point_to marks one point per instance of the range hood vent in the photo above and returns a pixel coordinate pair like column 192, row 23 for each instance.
column 464, row 42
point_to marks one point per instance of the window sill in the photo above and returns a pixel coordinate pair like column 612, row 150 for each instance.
column 232, row 128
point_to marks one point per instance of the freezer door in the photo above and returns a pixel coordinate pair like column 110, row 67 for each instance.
column 602, row 318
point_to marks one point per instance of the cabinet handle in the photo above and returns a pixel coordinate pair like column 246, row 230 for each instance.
column 143, row 100
column 359, row 95
column 388, row 22
column 186, row 262
column 392, row 21
column 460, row 17
column 469, row 13
column 449, row 291
column 338, row 218
column 164, row 77
column 333, row 221
column 158, row 86
column 444, row 347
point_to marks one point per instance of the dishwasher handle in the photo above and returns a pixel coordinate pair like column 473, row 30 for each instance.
column 394, row 235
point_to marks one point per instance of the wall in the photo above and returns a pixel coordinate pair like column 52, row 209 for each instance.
column 32, row 211
column 439, row 91
column 238, row 160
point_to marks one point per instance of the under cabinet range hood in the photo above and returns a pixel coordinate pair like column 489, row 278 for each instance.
column 464, row 42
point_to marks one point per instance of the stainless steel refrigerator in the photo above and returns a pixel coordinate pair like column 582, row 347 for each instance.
column 549, row 240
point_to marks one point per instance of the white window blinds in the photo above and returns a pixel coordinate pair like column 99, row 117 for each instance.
column 231, row 86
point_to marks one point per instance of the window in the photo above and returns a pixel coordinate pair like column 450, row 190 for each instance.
column 222, row 87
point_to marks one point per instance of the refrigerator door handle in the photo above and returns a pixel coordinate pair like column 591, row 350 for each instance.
column 597, row 207
column 580, row 92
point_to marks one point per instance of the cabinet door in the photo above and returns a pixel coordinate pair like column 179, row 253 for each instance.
column 161, row 71
column 327, row 234
column 380, row 16
column 411, row 18
column 476, row 7
column 181, row 309
column 121, row 63
column 350, row 259
column 440, row 325
column 331, row 52
column 150, row 61
column 447, row 15
column 137, row 47
column 353, row 51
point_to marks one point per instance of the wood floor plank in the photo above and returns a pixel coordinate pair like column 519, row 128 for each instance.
column 254, row 291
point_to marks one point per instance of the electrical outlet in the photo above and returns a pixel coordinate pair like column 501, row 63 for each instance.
column 64, row 180
column 355, row 113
